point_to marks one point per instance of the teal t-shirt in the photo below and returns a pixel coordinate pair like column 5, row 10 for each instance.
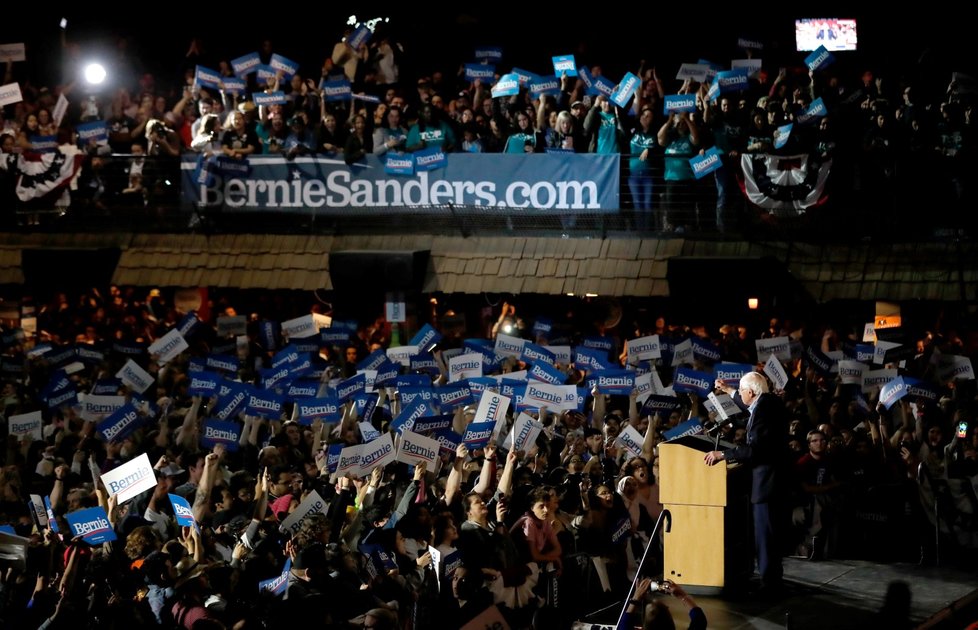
column 640, row 142
column 677, row 160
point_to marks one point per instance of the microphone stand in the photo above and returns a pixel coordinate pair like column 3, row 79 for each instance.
column 664, row 515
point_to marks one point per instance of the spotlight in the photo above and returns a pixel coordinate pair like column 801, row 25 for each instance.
column 95, row 73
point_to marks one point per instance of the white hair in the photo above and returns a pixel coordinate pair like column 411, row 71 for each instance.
column 755, row 382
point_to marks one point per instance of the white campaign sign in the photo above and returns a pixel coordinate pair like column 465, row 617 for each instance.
column 776, row 372
column 378, row 452
column 135, row 377
column 25, row 424
column 464, row 366
column 10, row 94
column 167, row 347
column 98, row 408
column 643, row 348
column 415, row 448
column 130, row 479
column 524, row 434
column 12, row 52
column 312, row 504
column 631, row 440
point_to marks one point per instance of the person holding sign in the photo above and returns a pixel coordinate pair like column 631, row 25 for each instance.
column 604, row 128
column 642, row 144
column 764, row 453
column 680, row 137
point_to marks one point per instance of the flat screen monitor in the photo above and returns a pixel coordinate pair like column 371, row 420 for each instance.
column 833, row 33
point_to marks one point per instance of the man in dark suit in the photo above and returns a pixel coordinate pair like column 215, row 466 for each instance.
column 763, row 452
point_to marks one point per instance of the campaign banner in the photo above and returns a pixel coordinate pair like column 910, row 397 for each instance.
column 409, row 414
column 65, row 396
column 182, row 511
column 96, row 132
column 623, row 92
column 564, row 64
column 819, row 59
column 546, row 373
column 682, row 353
column 732, row 80
column 698, row 72
column 478, row 434
column 312, row 504
column 92, row 524
column 429, row 159
column 206, row 77
column 88, row 355
column 781, row 135
column 97, row 408
column 286, row 356
column 401, row 355
column 464, row 366
column 433, row 423
column 693, row 381
column 360, row 36
column 492, row 408
column 631, row 440
column 12, row 52
column 203, row 384
column 377, row 452
column 722, row 404
column 414, row 449
column 246, row 64
column 336, row 89
column 542, row 326
column 553, row 397
column 851, row 372
column 893, row 391
column 484, row 72
column 524, row 433
column 613, row 382
column 25, row 424
column 167, row 347
column 120, row 423
column 188, row 324
column 136, row 349
column 426, row 338
column 956, row 368
column 875, row 379
column 453, row 395
column 545, row 184
column 509, row 346
column 264, row 404
column 223, row 432
column 130, row 479
column 707, row 163
column 134, row 377
column 679, row 103
column 489, row 53
column 279, row 584
column 60, row 109
column 507, row 85
column 776, row 372
column 286, row 65
column 778, row 346
column 547, row 85
column 10, row 94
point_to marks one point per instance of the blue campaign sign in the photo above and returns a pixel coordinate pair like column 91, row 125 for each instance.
column 735, row 80
column 204, row 384
column 545, row 86
column 603, row 85
column 546, row 373
column 707, row 163
column 781, row 135
column 615, row 382
column 223, row 363
column 424, row 362
column 337, row 89
column 326, row 408
column 44, row 144
column 269, row 332
column 333, row 456
column 690, row 427
column 426, row 338
column 399, row 163
column 478, row 434
column 303, row 389
column 107, row 386
column 410, row 413
column 731, row 372
column 279, row 584
column 373, row 360
column 819, row 59
column 52, row 521
column 131, row 349
column 182, row 511
column 206, row 77
column 478, row 385
column 535, row 353
column 387, row 373
column 598, row 343
column 360, row 36
column 549, row 184
column 662, row 405
column 692, row 381
column 220, row 432
column 433, row 423
column 485, row 72
column 705, row 350
column 542, row 326
column 525, row 76
column 819, row 361
column 96, row 131
column 409, row 395
column 489, row 53
column 92, row 525
column 334, row 336
column 920, row 389
column 188, row 324
column 265, row 404
column 447, row 439
column 679, row 103
column 87, row 354
column 352, row 386
column 234, row 85
column 246, row 64
column 508, row 85
column 591, row 359
column 429, row 159
column 453, row 395
column 564, row 64
column 286, row 65
column 625, row 88
column 286, row 356
column 413, row 380
column 269, row 98
column 120, row 423
column 585, row 75
column 232, row 403
column 893, row 391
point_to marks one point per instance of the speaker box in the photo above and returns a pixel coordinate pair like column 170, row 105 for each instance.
column 359, row 271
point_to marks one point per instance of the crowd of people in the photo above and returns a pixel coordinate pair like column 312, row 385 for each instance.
column 280, row 529
column 893, row 139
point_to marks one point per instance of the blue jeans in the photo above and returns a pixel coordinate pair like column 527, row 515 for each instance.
column 640, row 185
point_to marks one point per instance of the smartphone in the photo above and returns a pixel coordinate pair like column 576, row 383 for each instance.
column 64, row 23
column 962, row 429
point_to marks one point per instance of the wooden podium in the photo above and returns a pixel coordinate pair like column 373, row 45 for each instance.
column 705, row 544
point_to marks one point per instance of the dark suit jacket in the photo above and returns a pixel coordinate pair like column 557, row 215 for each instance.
column 764, row 451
